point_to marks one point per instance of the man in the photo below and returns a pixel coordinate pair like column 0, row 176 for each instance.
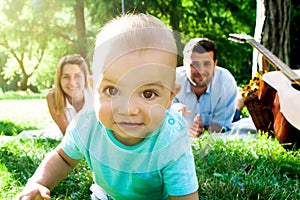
column 208, row 92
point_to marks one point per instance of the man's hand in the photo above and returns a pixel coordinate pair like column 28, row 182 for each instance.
column 196, row 128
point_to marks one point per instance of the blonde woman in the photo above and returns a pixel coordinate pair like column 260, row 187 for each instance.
column 71, row 90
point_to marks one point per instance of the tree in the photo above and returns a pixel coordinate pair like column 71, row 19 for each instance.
column 80, row 27
column 294, row 35
column 201, row 18
column 33, row 29
column 56, row 28
column 23, row 38
column 276, row 30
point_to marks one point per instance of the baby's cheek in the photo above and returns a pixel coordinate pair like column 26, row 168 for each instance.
column 104, row 114
column 156, row 115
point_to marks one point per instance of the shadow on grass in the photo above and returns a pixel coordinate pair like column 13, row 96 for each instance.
column 9, row 128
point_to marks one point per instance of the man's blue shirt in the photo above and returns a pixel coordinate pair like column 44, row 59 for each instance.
column 217, row 105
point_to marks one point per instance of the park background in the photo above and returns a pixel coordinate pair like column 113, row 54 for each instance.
column 35, row 34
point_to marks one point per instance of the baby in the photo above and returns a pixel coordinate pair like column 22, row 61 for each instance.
column 136, row 146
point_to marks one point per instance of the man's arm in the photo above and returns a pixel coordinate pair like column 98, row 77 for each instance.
column 214, row 128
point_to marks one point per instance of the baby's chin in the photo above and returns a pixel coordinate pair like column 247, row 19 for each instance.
column 141, row 134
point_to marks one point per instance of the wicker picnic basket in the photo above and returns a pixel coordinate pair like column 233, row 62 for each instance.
column 261, row 114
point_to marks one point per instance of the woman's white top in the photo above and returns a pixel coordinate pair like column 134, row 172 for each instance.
column 70, row 111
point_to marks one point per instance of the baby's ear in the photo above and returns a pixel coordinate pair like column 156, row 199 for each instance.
column 177, row 89
column 173, row 94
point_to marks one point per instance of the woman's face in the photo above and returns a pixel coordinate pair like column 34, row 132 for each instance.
column 72, row 80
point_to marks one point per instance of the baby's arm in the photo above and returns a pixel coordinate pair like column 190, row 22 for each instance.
column 53, row 169
column 193, row 196
column 196, row 126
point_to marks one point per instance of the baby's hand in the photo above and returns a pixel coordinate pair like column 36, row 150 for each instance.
column 181, row 108
column 197, row 127
column 34, row 191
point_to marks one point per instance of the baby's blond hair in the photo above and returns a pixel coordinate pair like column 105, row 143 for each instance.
column 128, row 33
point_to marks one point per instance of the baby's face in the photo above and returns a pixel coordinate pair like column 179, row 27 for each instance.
column 134, row 93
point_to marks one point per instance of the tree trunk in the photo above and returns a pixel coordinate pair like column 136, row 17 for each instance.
column 24, row 82
column 260, row 20
column 276, row 36
column 80, row 28
column 175, row 17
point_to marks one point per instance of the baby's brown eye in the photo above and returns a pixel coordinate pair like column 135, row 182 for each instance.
column 111, row 91
column 148, row 94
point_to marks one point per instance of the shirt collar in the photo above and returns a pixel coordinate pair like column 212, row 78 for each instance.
column 188, row 88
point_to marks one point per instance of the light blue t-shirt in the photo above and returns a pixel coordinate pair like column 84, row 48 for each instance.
column 217, row 105
column 161, row 165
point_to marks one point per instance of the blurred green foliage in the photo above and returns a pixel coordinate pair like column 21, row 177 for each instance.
column 36, row 34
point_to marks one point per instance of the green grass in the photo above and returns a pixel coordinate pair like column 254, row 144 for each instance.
column 18, row 115
column 20, row 158
column 254, row 169
column 23, row 110
column 258, row 169
column 21, row 95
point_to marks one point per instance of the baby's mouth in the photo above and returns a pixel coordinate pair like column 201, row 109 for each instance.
column 129, row 125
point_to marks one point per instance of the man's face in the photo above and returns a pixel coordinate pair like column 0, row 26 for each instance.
column 201, row 68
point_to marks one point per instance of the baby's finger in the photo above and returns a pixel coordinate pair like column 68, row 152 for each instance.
column 186, row 111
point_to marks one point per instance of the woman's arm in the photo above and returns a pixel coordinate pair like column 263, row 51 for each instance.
column 53, row 169
column 60, row 119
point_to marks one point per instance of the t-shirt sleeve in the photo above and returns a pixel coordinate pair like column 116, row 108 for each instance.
column 180, row 176
column 70, row 144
